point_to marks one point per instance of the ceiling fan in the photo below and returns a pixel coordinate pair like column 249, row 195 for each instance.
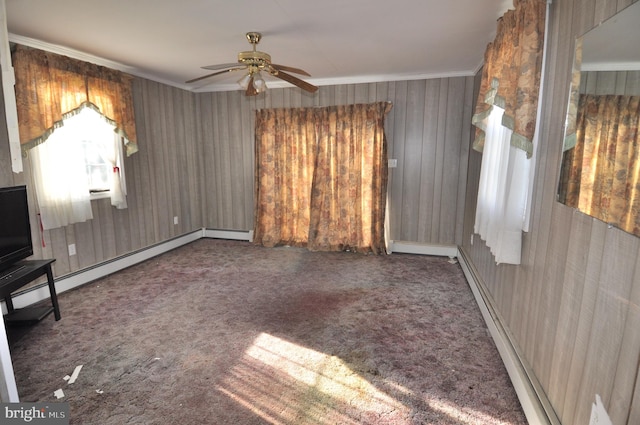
column 255, row 62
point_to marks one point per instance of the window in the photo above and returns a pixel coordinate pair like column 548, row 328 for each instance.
column 81, row 160
column 67, row 106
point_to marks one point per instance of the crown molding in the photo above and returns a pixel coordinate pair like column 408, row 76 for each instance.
column 364, row 79
column 86, row 57
column 610, row 66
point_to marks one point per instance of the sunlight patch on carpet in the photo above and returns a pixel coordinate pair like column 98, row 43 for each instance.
column 283, row 382
column 463, row 415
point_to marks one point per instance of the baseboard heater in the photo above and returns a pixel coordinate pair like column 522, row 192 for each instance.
column 535, row 403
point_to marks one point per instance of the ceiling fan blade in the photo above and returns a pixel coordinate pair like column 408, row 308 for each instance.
column 215, row 73
column 220, row 66
column 290, row 69
column 296, row 81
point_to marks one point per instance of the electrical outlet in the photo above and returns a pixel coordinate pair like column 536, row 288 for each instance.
column 72, row 249
column 393, row 163
column 175, row 220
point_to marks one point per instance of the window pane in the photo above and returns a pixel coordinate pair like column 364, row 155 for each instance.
column 98, row 177
column 97, row 169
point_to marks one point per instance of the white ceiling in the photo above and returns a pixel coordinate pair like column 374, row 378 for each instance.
column 336, row 41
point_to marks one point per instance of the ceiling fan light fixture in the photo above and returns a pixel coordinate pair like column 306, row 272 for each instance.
column 258, row 83
column 244, row 81
column 253, row 62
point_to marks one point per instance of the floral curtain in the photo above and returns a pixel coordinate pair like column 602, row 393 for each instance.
column 321, row 177
column 49, row 87
column 511, row 74
column 285, row 158
column 601, row 174
column 574, row 98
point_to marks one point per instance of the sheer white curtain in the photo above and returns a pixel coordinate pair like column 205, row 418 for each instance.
column 60, row 174
column 60, row 178
column 502, row 192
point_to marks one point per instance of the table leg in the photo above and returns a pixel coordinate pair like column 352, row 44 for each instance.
column 9, row 303
column 52, row 293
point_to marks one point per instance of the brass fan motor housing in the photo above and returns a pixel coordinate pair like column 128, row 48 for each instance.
column 254, row 57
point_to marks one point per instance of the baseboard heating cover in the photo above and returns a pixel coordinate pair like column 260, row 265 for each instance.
column 535, row 404
column 422, row 249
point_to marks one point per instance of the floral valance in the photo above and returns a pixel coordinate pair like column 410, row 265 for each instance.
column 50, row 86
column 511, row 74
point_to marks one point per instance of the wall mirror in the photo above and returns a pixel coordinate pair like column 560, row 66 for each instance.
column 600, row 170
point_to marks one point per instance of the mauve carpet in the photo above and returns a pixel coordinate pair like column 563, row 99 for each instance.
column 226, row 332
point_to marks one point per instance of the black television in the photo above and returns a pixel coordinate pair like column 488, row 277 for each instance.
column 15, row 229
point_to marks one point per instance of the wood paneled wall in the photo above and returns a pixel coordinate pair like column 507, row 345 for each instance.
column 426, row 131
column 610, row 82
column 196, row 162
column 572, row 306
column 163, row 181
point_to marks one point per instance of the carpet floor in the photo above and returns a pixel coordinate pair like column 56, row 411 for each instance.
column 226, row 332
